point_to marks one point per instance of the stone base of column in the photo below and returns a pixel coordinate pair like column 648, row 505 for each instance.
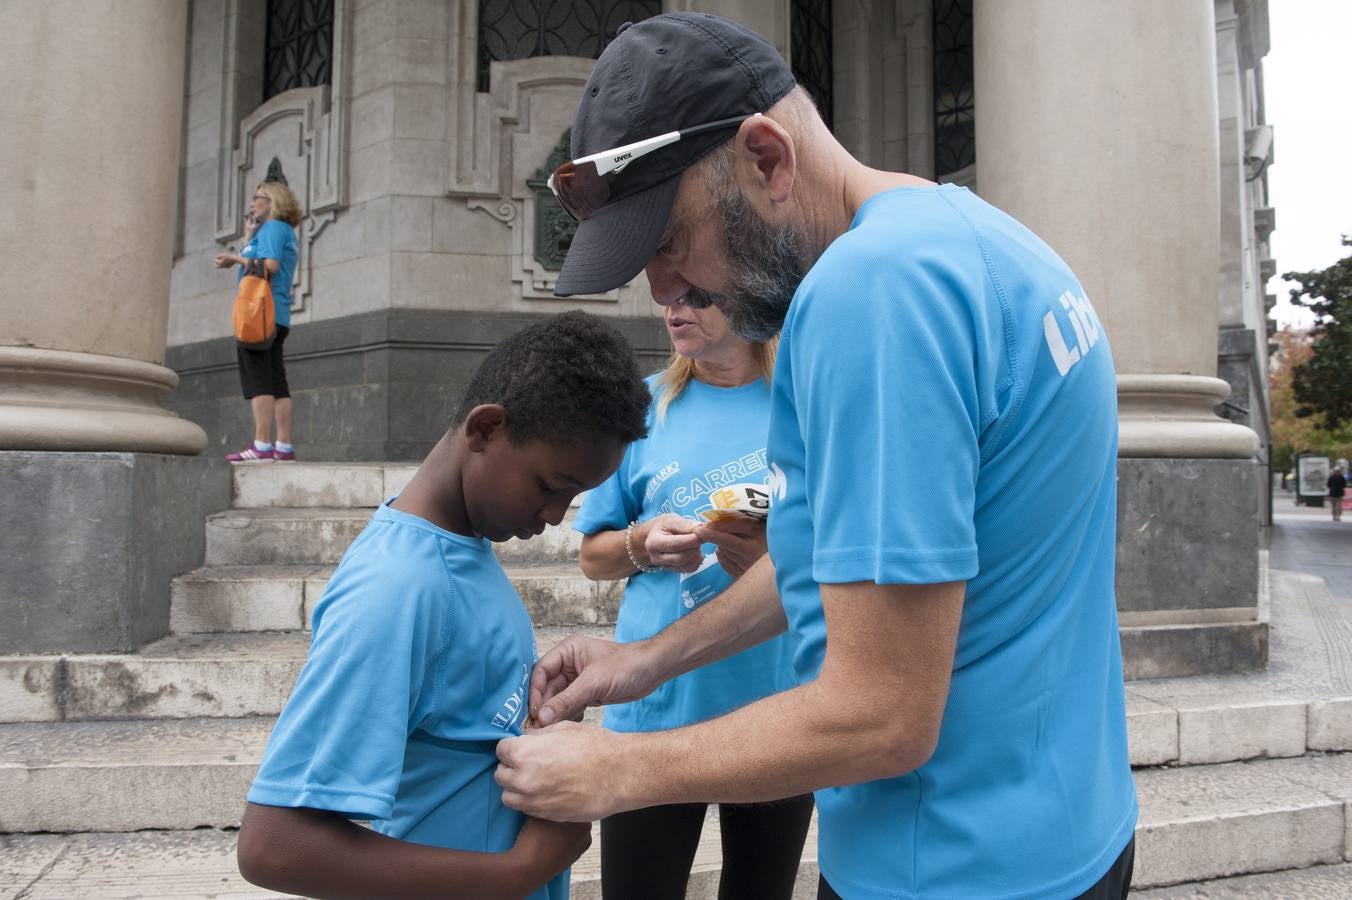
column 92, row 541
column 61, row 400
column 1175, row 416
column 1187, row 567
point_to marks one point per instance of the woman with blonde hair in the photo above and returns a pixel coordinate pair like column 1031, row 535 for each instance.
column 262, row 374
column 707, row 430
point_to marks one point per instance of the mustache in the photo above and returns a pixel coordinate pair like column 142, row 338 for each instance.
column 698, row 298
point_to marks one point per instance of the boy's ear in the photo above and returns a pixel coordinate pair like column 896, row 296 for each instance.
column 484, row 423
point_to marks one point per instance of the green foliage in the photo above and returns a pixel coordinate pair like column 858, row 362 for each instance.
column 1322, row 384
column 1293, row 433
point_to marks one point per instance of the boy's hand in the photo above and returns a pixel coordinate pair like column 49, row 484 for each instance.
column 740, row 543
column 671, row 542
column 543, row 849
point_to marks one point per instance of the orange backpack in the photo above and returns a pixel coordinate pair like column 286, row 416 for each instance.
column 255, row 314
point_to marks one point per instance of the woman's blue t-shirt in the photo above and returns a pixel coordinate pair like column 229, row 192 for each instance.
column 276, row 240
column 419, row 664
column 710, row 437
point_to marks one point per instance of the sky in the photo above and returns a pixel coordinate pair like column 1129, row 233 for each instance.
column 1307, row 78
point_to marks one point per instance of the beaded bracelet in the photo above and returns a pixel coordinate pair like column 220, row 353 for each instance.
column 629, row 549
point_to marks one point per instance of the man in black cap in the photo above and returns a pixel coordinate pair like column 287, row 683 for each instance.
column 943, row 457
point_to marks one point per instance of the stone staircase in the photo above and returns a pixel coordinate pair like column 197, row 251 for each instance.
column 122, row 774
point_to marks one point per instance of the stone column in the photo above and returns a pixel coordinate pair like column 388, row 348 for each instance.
column 101, row 504
column 1097, row 128
column 91, row 106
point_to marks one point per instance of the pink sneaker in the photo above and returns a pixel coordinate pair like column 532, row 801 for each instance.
column 284, row 455
column 250, row 455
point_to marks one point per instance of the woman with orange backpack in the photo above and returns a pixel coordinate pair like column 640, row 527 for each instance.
column 270, row 250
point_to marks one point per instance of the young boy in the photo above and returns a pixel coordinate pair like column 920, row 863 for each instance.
column 422, row 652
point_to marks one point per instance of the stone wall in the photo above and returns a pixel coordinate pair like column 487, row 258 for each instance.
column 415, row 183
column 94, row 542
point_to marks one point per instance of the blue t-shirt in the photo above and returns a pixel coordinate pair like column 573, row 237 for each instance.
column 711, row 437
column 944, row 409
column 419, row 664
column 276, row 240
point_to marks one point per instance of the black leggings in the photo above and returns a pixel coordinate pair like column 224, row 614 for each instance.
column 646, row 854
column 1115, row 885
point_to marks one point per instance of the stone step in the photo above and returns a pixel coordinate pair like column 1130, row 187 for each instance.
column 180, row 677
column 1220, row 820
column 309, row 485
column 127, row 776
column 282, row 598
column 282, row 536
column 1197, row 823
column 1315, row 883
column 269, row 536
column 200, row 865
column 251, row 673
column 245, row 598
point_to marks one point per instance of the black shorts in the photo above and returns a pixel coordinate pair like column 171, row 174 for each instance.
column 261, row 372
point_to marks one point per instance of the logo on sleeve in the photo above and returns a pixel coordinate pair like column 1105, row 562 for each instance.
column 1082, row 320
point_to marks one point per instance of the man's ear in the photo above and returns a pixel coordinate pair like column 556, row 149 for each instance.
column 766, row 149
column 483, row 424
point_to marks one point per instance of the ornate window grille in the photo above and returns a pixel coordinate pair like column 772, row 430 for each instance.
column 810, row 49
column 299, row 45
column 954, row 92
column 520, row 29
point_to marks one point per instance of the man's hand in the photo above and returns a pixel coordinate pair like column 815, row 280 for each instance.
column 226, row 260
column 672, row 543
column 565, row 773
column 543, row 849
column 580, row 672
column 740, row 543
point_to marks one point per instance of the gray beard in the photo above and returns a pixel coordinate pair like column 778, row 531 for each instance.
column 765, row 265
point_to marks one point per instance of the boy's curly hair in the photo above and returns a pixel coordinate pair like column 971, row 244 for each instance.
column 566, row 379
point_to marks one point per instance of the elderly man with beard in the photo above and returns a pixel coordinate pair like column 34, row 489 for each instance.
column 943, row 448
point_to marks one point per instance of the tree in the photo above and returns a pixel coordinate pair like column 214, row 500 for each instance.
column 1322, row 384
column 1292, row 432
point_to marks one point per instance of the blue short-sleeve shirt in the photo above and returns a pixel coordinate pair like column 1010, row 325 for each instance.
column 275, row 239
column 710, row 437
column 944, row 409
column 419, row 664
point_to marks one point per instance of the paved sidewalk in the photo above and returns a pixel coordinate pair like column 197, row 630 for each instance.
column 1306, row 539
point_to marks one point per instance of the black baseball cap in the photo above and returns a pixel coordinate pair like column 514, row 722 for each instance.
column 667, row 73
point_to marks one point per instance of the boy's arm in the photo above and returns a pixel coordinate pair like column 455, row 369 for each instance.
column 320, row 854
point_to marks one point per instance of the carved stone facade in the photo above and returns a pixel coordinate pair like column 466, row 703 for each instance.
column 423, row 191
column 426, row 240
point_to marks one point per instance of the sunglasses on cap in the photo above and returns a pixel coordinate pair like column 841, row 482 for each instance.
column 582, row 186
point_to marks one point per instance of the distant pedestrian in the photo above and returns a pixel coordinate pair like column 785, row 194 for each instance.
column 262, row 375
column 1337, row 487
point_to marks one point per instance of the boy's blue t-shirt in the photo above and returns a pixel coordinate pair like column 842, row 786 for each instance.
column 711, row 437
column 419, row 664
column 275, row 239
column 944, row 409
